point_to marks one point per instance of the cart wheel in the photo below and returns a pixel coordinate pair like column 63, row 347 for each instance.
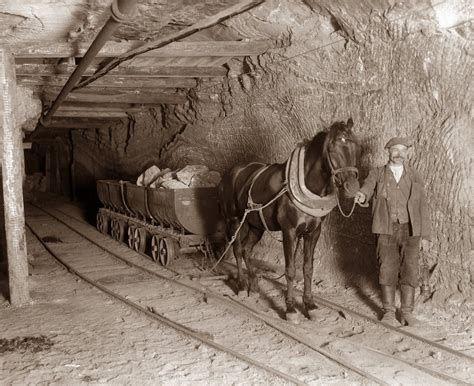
column 102, row 223
column 131, row 236
column 167, row 250
column 113, row 228
column 98, row 222
column 121, row 226
column 139, row 239
column 155, row 247
column 118, row 230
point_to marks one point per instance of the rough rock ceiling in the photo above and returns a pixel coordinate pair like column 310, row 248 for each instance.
column 79, row 20
column 49, row 37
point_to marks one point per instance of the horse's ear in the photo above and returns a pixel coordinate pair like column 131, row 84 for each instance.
column 350, row 123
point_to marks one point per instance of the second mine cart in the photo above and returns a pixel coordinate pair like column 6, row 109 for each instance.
column 160, row 222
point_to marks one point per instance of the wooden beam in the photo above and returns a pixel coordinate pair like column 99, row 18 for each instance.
column 80, row 123
column 91, row 114
column 84, row 106
column 195, row 61
column 12, row 179
column 98, row 110
column 62, row 126
column 123, row 96
column 111, row 81
column 212, row 48
column 113, row 49
column 35, row 70
column 51, row 140
column 236, row 9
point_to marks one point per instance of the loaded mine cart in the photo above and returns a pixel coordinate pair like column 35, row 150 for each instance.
column 160, row 222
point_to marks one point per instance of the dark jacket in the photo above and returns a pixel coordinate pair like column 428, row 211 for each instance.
column 375, row 185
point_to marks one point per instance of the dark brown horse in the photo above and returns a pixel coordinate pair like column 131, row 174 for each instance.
column 296, row 196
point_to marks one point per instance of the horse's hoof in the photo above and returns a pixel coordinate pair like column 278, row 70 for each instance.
column 313, row 314
column 254, row 287
column 293, row 317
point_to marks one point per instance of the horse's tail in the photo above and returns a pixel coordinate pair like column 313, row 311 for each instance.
column 226, row 202
column 229, row 193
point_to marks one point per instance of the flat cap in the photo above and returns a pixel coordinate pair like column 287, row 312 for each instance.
column 405, row 141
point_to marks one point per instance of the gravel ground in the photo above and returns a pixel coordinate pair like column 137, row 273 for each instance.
column 73, row 334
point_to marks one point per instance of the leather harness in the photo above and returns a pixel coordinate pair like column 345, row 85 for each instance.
column 304, row 199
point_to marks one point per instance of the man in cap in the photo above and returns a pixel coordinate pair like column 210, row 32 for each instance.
column 400, row 220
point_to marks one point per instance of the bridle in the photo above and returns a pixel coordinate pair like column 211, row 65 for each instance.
column 336, row 171
column 337, row 182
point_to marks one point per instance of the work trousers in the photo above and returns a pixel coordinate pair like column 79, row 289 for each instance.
column 398, row 256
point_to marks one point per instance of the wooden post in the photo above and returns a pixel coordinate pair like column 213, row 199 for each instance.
column 47, row 169
column 57, row 162
column 12, row 178
column 72, row 168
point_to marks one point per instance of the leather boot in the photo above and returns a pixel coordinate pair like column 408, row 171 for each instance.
column 388, row 302
column 407, row 295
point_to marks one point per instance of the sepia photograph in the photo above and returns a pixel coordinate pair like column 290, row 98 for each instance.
column 237, row 192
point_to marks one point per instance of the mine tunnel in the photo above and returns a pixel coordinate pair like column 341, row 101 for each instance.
column 168, row 168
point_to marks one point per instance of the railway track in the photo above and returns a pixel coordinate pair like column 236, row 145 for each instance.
column 298, row 334
column 348, row 311
column 186, row 310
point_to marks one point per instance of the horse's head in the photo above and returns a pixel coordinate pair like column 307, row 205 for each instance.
column 342, row 152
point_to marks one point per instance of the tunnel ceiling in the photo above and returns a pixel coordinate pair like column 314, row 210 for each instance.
column 49, row 37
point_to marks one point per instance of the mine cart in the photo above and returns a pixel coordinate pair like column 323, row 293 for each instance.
column 160, row 222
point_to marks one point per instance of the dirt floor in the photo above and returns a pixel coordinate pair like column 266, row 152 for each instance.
column 73, row 334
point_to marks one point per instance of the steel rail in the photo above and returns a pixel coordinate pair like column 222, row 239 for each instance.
column 340, row 308
column 255, row 313
column 249, row 310
column 435, row 373
column 321, row 301
column 225, row 300
column 422, row 368
column 164, row 320
column 268, row 320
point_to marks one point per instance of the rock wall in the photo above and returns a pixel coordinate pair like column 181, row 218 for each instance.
column 394, row 70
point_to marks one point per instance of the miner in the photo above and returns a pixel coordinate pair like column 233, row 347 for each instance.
column 402, row 225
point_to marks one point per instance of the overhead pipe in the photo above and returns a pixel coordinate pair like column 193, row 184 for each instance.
column 120, row 12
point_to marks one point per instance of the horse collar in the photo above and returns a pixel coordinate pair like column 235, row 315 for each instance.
column 304, row 199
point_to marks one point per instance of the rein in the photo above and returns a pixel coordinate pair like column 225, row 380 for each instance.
column 340, row 208
column 334, row 173
column 254, row 207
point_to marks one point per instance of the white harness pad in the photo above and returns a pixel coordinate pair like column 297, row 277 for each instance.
column 300, row 195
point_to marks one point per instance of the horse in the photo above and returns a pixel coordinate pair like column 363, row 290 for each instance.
column 292, row 197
